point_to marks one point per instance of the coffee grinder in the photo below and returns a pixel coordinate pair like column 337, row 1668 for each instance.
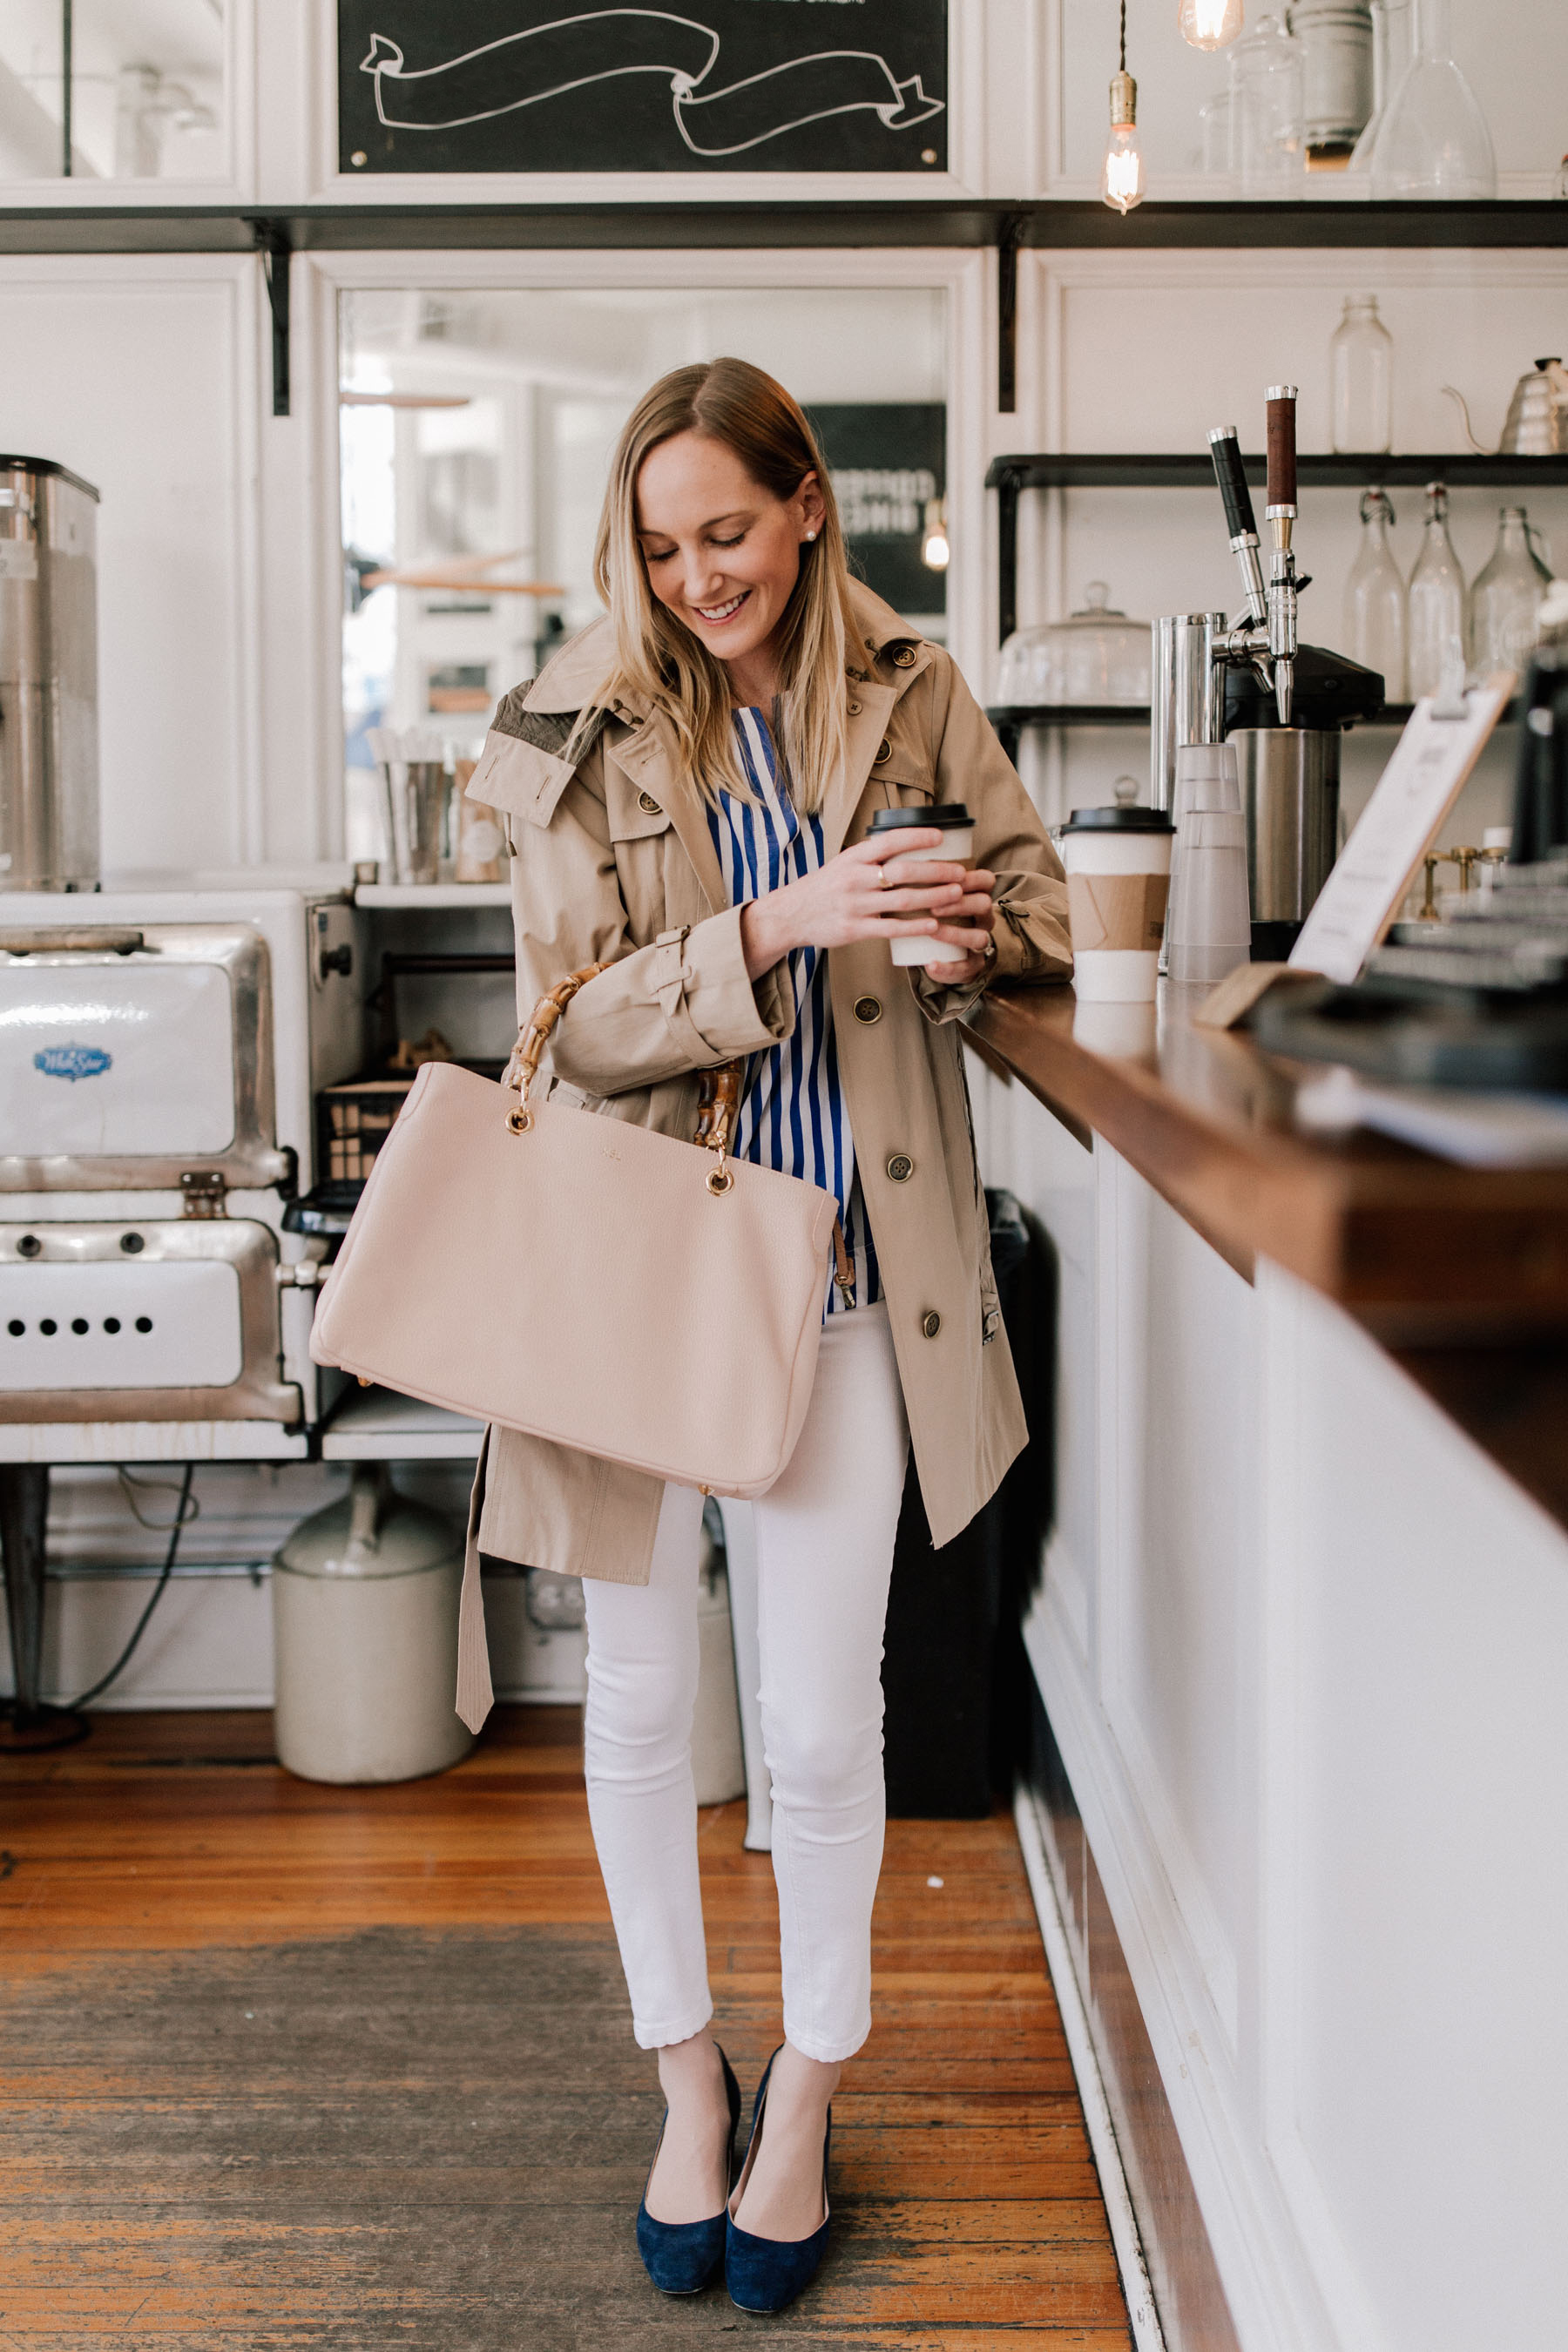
column 1280, row 704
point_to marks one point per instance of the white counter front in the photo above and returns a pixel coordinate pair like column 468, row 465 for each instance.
column 1303, row 1649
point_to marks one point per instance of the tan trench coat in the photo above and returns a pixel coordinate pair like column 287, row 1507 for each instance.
column 613, row 861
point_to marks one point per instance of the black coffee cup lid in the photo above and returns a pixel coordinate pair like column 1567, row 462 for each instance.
column 1119, row 819
column 943, row 813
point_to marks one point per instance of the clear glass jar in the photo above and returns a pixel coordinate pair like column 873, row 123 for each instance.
column 1437, row 599
column 1374, row 614
column 1213, row 130
column 1434, row 140
column 1360, row 367
column 1505, row 601
column 1269, row 153
column 1339, row 76
column 1096, row 656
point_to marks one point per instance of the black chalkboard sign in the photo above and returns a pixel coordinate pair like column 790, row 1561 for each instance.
column 886, row 458
column 716, row 85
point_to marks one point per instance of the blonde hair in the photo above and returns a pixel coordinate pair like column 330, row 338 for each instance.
column 656, row 657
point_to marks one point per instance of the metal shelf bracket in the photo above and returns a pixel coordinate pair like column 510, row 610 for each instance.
column 276, row 250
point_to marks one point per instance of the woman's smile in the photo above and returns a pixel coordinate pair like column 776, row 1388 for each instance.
column 716, row 616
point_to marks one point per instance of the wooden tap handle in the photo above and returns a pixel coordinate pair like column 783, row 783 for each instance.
column 1282, row 447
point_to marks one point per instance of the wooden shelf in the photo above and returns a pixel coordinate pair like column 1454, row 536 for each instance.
column 1191, row 469
column 1018, row 715
column 432, row 894
column 1067, row 714
column 393, row 225
column 376, row 1424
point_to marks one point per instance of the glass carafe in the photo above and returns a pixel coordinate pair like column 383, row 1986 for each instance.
column 1434, row 140
column 1374, row 614
column 1394, row 41
column 1268, row 141
column 1437, row 599
column 1360, row 366
column 1506, row 599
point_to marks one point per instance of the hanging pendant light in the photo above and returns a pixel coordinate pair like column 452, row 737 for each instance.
column 1209, row 24
column 935, row 550
column 1122, row 179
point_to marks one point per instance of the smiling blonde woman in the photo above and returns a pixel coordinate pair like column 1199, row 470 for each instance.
column 689, row 789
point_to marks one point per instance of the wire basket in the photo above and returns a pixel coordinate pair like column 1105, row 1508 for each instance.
column 354, row 1121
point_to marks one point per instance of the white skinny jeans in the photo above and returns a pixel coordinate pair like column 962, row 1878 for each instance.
column 824, row 1538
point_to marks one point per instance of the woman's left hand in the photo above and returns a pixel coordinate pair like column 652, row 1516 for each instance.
column 975, row 912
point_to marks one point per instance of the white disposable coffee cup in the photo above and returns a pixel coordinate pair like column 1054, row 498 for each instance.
column 1118, row 864
column 953, row 819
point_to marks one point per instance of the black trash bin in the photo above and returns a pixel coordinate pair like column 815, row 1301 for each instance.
column 954, row 1676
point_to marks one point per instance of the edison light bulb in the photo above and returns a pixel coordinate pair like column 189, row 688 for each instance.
column 1121, row 182
column 1209, row 24
column 935, row 551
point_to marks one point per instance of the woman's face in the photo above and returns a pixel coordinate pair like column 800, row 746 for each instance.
column 721, row 553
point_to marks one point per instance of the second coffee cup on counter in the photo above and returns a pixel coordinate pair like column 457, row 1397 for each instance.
column 1118, row 864
column 954, row 821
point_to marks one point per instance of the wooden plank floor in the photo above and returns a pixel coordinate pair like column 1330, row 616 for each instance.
column 188, row 2185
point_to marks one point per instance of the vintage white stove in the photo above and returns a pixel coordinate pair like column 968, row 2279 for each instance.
column 160, row 1053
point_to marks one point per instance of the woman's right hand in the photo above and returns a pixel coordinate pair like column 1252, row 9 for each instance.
column 846, row 900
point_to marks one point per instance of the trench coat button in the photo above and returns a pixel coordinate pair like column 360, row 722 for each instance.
column 645, row 801
column 931, row 1324
column 904, row 658
column 867, row 1009
column 855, row 710
column 901, row 1167
column 870, row 644
column 884, row 752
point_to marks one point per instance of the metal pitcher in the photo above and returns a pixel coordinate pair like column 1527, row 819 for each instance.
column 1537, row 422
column 48, row 678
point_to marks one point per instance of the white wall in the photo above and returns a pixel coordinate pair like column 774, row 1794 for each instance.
column 140, row 376
column 209, row 1641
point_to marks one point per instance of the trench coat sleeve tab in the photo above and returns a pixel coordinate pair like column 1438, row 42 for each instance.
column 679, row 1005
column 709, row 998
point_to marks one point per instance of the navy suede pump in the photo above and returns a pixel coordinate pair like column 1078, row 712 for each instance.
column 767, row 2273
column 680, row 2257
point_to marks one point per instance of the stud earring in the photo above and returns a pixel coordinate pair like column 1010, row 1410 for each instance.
column 809, row 537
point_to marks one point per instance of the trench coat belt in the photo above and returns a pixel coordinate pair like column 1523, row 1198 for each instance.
column 475, row 1693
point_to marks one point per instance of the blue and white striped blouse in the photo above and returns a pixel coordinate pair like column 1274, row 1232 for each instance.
column 793, row 1115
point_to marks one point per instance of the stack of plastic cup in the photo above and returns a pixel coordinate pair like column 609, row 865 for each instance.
column 1208, row 926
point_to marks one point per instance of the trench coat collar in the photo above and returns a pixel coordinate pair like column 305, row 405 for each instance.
column 570, row 681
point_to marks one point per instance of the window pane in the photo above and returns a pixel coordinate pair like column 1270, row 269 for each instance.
column 139, row 81
column 477, row 429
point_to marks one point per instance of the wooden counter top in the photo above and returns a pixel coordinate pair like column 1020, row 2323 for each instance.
column 1419, row 1250
column 1461, row 1274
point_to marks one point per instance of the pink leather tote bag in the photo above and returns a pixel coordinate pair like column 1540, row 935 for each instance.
column 584, row 1280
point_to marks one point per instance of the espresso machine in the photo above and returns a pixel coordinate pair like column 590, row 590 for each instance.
column 1280, row 704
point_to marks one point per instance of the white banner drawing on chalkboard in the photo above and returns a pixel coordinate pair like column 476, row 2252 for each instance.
column 525, row 68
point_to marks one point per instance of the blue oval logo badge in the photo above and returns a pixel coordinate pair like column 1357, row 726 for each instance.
column 72, row 1061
